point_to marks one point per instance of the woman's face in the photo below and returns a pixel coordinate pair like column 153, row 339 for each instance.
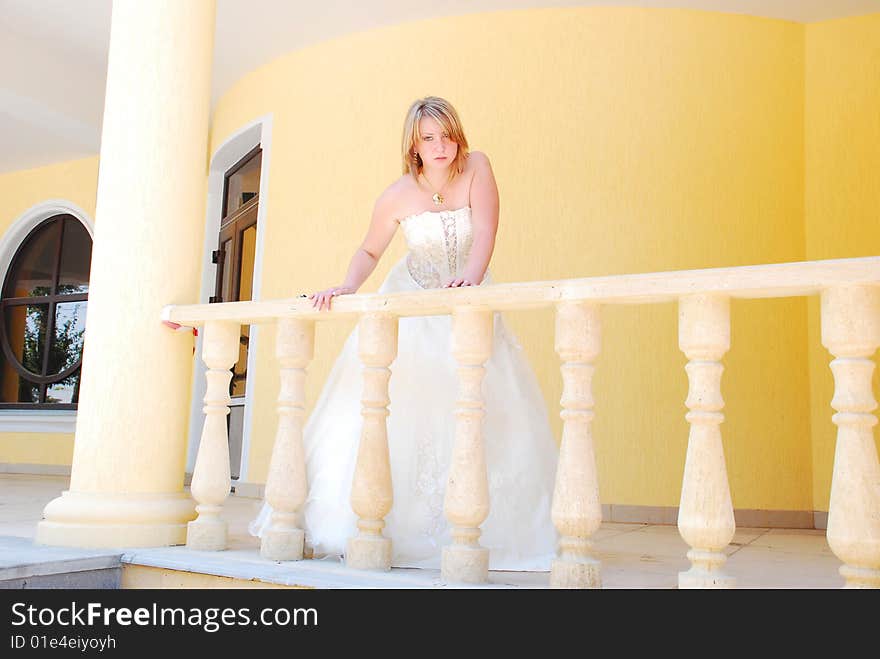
column 435, row 146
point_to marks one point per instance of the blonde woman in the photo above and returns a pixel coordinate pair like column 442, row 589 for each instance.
column 446, row 203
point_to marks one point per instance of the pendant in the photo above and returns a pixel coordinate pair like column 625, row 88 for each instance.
column 438, row 198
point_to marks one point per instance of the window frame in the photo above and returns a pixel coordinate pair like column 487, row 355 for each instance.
column 61, row 218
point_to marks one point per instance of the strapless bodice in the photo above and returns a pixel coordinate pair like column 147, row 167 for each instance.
column 438, row 243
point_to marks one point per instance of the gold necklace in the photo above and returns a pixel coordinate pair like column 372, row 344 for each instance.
column 437, row 197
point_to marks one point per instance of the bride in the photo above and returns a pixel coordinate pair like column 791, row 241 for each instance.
column 446, row 203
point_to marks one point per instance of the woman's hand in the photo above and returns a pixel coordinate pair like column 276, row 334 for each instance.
column 322, row 298
column 456, row 283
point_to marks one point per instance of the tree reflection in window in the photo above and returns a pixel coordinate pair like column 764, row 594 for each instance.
column 44, row 314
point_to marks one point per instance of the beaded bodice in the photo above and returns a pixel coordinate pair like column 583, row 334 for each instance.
column 439, row 243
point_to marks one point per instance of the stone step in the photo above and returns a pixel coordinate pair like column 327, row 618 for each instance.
column 241, row 565
column 24, row 564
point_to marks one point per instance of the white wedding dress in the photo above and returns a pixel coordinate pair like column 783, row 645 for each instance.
column 521, row 453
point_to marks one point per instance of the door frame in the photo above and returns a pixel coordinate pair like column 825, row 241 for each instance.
column 231, row 151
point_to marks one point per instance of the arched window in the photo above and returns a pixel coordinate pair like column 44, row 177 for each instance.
column 43, row 316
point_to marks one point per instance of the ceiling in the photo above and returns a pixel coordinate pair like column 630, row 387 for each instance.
column 52, row 96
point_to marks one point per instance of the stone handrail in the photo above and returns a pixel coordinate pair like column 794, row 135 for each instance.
column 754, row 281
column 850, row 302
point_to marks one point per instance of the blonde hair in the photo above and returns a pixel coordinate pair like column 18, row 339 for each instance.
column 441, row 111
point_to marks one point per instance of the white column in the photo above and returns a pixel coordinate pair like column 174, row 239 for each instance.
column 126, row 484
column 211, row 481
column 466, row 503
column 371, row 491
column 851, row 332
column 286, row 485
column 577, row 512
column 705, row 515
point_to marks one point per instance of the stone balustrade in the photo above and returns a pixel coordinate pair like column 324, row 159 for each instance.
column 850, row 306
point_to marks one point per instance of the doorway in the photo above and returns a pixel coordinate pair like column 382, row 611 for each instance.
column 235, row 258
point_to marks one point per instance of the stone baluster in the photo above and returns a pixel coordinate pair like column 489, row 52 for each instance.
column 466, row 503
column 371, row 490
column 286, row 485
column 851, row 332
column 211, row 476
column 705, row 516
column 576, row 510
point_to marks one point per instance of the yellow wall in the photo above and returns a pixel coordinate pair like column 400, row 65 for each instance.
column 75, row 181
column 623, row 140
column 842, row 212
column 32, row 448
column 626, row 140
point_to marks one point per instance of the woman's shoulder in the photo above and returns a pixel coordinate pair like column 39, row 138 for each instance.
column 396, row 196
column 477, row 162
column 477, row 159
column 398, row 189
column 405, row 183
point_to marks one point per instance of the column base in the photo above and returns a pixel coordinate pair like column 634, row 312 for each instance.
column 575, row 574
column 284, row 545
column 860, row 577
column 106, row 519
column 464, row 564
column 365, row 552
column 703, row 579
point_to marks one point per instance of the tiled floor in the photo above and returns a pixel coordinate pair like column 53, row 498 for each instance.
column 632, row 555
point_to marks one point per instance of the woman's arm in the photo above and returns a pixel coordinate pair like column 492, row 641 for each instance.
column 484, row 219
column 379, row 235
